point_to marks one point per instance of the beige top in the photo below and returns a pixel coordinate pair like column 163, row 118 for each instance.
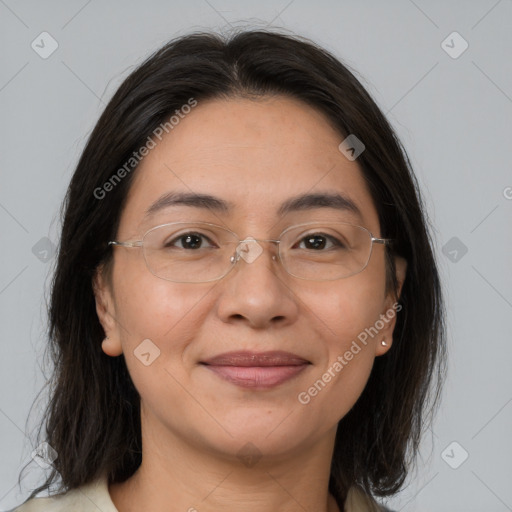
column 95, row 497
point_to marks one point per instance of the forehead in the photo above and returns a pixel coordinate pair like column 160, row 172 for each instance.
column 253, row 154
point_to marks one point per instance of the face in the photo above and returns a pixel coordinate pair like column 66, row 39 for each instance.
column 254, row 155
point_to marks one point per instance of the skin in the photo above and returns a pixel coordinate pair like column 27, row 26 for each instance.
column 256, row 154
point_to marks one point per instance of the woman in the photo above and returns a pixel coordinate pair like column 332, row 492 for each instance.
column 246, row 312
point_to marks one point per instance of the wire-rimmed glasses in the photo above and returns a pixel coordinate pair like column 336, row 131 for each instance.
column 200, row 252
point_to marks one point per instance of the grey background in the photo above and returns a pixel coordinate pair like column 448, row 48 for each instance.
column 452, row 114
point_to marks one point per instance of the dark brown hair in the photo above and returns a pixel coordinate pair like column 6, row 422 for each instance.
column 93, row 417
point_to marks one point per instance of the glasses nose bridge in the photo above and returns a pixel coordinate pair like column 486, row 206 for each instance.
column 249, row 249
column 252, row 239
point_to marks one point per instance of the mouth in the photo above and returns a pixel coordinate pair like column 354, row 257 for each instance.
column 256, row 370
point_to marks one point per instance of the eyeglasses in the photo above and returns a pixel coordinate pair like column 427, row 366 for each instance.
column 200, row 252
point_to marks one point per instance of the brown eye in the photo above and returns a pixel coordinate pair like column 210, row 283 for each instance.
column 188, row 241
column 319, row 241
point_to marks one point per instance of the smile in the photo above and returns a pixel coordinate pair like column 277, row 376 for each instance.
column 257, row 377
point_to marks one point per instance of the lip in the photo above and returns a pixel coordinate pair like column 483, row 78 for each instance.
column 256, row 370
column 248, row 358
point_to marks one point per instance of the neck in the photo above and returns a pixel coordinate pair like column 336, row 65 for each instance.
column 197, row 479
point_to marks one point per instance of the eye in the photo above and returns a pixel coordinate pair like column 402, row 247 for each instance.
column 188, row 241
column 319, row 241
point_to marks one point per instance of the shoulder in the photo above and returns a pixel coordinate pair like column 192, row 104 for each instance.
column 87, row 498
column 358, row 501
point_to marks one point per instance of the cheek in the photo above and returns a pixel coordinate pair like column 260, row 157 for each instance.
column 346, row 309
column 151, row 308
column 342, row 315
column 145, row 309
column 157, row 320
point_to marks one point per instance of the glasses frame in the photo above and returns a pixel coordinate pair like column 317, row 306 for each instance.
column 234, row 260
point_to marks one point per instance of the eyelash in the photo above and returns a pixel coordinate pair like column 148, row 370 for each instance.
column 334, row 241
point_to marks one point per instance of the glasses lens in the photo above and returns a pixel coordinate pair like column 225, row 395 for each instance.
column 325, row 251
column 201, row 252
column 189, row 252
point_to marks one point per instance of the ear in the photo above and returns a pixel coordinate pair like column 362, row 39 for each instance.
column 391, row 309
column 105, row 309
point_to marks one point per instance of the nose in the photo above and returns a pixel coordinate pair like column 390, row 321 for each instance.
column 257, row 291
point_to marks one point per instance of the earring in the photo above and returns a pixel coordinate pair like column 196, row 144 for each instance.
column 383, row 343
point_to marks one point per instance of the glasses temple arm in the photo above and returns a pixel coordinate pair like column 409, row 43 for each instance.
column 383, row 241
column 137, row 243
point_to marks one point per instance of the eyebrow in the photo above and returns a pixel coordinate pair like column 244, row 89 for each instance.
column 319, row 200
column 204, row 201
column 302, row 202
